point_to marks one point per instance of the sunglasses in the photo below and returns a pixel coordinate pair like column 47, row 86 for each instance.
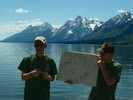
column 39, row 45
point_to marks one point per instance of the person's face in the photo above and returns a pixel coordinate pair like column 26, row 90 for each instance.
column 106, row 57
column 39, row 46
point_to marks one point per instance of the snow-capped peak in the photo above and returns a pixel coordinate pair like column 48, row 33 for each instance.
column 95, row 22
column 121, row 18
column 81, row 21
column 46, row 25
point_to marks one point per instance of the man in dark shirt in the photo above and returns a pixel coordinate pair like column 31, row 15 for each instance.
column 37, row 72
column 108, row 75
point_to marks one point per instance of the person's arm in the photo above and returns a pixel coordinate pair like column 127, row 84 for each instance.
column 27, row 76
column 48, row 77
column 108, row 79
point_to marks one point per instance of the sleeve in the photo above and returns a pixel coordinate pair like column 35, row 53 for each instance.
column 52, row 67
column 116, row 72
column 24, row 65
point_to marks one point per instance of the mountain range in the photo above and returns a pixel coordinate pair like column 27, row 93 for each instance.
column 117, row 30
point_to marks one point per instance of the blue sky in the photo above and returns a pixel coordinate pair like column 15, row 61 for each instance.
column 16, row 15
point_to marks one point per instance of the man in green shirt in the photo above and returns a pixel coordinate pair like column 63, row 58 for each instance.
column 108, row 75
column 37, row 72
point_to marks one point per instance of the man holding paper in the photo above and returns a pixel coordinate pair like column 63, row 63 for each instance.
column 108, row 75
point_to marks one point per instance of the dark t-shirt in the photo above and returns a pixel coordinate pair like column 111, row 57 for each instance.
column 102, row 91
column 37, row 88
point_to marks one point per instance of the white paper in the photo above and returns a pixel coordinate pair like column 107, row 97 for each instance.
column 79, row 67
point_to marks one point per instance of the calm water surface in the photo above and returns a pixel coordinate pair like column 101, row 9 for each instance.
column 12, row 87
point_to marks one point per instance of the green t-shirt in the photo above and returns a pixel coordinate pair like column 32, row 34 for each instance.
column 37, row 88
column 102, row 91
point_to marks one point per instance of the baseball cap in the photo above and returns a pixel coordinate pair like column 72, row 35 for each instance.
column 40, row 38
column 106, row 48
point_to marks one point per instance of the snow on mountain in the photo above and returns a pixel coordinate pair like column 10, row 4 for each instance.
column 70, row 31
column 76, row 29
column 112, row 23
column 114, row 28
column 119, row 19
column 31, row 32
column 73, row 30
column 40, row 28
column 46, row 26
column 95, row 23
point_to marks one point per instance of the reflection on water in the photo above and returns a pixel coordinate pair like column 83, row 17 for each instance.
column 12, row 87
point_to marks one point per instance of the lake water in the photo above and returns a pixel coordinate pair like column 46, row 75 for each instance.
column 12, row 87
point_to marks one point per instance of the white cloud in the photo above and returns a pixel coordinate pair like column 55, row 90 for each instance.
column 30, row 22
column 121, row 11
column 20, row 10
column 71, row 19
column 95, row 19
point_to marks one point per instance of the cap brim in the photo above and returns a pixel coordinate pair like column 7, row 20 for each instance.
column 40, row 40
column 99, row 50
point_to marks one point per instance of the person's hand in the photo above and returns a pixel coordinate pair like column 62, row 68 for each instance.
column 46, row 76
column 69, row 81
column 100, row 63
column 36, row 72
column 99, row 58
